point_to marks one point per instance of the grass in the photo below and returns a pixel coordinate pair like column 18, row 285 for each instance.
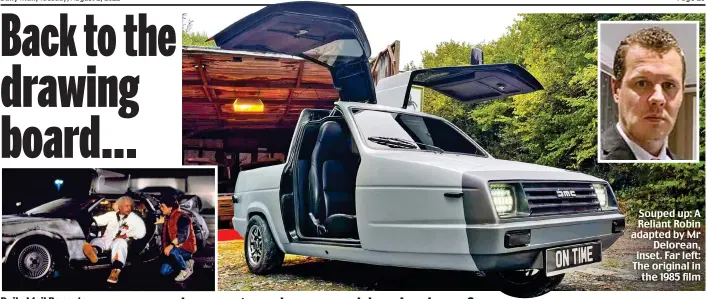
column 234, row 275
column 614, row 263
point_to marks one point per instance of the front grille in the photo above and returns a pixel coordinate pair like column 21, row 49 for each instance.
column 543, row 198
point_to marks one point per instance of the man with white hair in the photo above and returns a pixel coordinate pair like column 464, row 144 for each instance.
column 122, row 226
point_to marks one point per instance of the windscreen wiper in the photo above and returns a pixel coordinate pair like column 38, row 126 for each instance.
column 392, row 142
column 405, row 143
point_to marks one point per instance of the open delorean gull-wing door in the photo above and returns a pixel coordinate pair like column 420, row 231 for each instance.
column 467, row 84
column 325, row 33
column 110, row 182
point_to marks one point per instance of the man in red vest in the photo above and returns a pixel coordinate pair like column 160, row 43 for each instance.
column 178, row 239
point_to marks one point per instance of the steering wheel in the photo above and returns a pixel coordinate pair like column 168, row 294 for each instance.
column 94, row 230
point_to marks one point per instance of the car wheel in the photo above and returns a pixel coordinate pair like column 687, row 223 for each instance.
column 525, row 283
column 261, row 252
column 34, row 262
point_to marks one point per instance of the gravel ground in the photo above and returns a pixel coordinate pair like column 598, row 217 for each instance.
column 307, row 273
column 616, row 272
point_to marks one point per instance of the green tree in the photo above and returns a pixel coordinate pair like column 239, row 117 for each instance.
column 410, row 66
column 190, row 38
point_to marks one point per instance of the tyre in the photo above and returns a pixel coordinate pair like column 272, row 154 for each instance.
column 525, row 283
column 33, row 262
column 261, row 252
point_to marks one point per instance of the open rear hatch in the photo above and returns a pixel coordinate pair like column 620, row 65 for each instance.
column 328, row 34
column 467, row 84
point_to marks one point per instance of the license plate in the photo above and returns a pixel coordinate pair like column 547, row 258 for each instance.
column 561, row 259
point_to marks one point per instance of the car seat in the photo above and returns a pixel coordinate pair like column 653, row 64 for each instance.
column 332, row 183
column 137, row 246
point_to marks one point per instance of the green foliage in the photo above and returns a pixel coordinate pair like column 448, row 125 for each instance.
column 190, row 38
column 558, row 125
column 196, row 39
column 659, row 187
column 410, row 66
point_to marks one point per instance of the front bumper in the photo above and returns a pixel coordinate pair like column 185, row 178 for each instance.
column 487, row 243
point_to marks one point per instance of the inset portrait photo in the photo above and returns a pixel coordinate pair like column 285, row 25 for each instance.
column 648, row 105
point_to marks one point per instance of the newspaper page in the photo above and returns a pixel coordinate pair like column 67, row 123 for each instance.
column 352, row 149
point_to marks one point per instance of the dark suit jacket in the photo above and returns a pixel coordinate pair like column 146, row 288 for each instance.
column 613, row 147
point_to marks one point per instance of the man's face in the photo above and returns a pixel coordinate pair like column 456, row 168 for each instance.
column 125, row 207
column 165, row 209
column 650, row 94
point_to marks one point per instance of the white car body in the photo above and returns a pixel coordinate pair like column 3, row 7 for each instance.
column 404, row 221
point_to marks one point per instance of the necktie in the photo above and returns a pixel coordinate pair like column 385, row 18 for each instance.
column 121, row 222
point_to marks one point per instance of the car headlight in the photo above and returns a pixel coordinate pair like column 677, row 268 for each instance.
column 602, row 195
column 503, row 196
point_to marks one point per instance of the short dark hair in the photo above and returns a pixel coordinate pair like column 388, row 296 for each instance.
column 655, row 39
column 170, row 200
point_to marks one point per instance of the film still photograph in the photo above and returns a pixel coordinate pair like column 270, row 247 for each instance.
column 108, row 229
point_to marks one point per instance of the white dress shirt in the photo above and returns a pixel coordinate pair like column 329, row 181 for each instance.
column 639, row 152
column 131, row 225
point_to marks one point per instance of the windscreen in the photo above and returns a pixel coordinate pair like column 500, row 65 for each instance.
column 337, row 52
column 393, row 130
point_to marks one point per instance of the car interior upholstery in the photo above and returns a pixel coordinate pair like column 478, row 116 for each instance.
column 309, row 139
column 311, row 223
column 332, row 182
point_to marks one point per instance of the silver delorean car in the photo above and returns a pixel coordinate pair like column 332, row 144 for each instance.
column 48, row 238
column 372, row 182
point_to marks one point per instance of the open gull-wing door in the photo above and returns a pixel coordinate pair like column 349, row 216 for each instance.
column 110, row 182
column 468, row 84
column 325, row 33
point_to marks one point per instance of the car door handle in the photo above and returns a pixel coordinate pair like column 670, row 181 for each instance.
column 453, row 194
column 234, row 198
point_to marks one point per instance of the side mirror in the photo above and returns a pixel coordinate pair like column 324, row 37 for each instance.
column 477, row 56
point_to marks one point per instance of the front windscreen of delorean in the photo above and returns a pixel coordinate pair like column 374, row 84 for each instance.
column 394, row 130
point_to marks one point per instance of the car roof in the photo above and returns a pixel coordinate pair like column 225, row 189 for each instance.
column 347, row 105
